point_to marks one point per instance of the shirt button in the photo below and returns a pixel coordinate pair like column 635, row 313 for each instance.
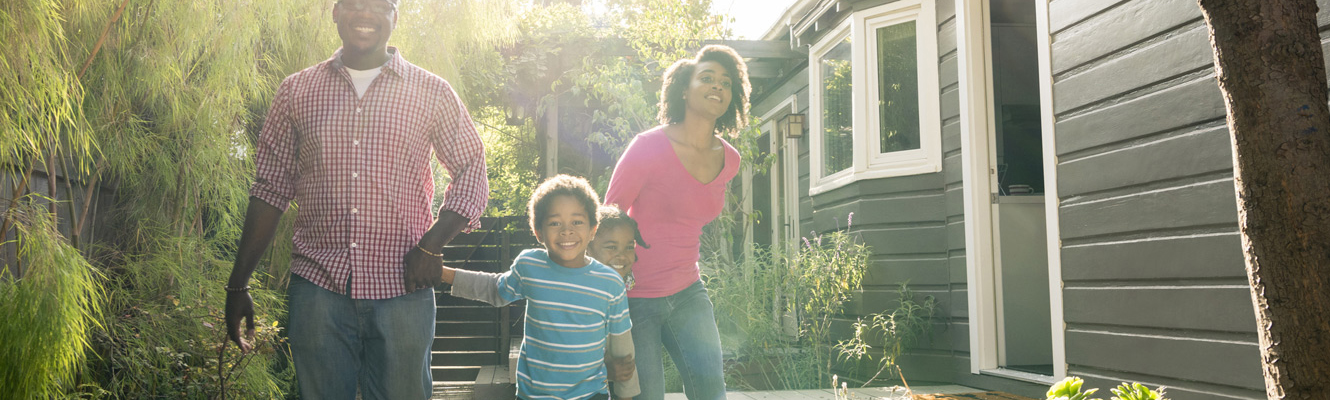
column 353, row 210
column 353, row 245
column 355, row 174
column 355, row 142
column 357, row 109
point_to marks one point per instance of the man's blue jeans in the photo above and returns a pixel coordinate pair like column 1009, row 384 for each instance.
column 337, row 342
column 685, row 324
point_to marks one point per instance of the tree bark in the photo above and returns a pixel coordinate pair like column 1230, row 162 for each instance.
column 1271, row 71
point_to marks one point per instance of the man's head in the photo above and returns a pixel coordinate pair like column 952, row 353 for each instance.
column 365, row 25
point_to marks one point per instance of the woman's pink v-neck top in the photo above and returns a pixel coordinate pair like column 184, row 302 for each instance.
column 670, row 207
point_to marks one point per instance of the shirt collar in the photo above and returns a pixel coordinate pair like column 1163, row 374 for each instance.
column 395, row 65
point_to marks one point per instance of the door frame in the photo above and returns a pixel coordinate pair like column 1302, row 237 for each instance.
column 974, row 70
column 784, row 175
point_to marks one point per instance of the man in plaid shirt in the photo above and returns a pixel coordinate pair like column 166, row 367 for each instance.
column 350, row 140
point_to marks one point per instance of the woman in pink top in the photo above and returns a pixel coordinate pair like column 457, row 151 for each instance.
column 672, row 180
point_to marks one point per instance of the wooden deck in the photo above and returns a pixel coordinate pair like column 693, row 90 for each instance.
column 499, row 388
column 855, row 394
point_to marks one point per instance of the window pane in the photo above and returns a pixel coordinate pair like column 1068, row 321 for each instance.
column 898, row 88
column 837, row 109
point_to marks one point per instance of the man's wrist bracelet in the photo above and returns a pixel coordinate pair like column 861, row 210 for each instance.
column 422, row 249
column 237, row 290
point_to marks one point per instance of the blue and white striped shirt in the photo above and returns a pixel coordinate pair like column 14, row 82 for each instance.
column 569, row 314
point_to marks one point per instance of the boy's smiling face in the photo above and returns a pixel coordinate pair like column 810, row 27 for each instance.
column 616, row 246
column 566, row 231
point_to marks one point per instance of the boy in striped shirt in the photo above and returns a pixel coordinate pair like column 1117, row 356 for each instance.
column 577, row 307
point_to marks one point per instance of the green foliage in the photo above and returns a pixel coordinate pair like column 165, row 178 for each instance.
column 1136, row 391
column 776, row 309
column 1070, row 389
column 626, row 89
column 512, row 157
column 891, row 332
column 825, row 275
column 159, row 103
column 48, row 313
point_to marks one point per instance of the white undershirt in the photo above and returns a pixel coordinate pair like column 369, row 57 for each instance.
column 362, row 79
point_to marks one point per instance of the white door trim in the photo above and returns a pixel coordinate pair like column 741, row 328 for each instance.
column 1051, row 199
column 974, row 79
column 977, row 164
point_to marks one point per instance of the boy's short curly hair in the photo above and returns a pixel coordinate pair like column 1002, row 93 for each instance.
column 610, row 216
column 561, row 185
column 680, row 75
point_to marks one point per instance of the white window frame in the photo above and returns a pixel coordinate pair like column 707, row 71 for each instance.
column 868, row 162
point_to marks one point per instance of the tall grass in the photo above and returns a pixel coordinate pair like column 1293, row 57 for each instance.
column 48, row 313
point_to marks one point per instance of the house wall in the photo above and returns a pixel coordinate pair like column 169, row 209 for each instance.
column 1155, row 287
column 914, row 224
column 1154, row 284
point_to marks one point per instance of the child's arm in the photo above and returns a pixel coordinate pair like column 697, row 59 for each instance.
column 621, row 346
column 475, row 285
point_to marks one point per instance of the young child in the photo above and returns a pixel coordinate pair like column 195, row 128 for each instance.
column 616, row 242
column 576, row 306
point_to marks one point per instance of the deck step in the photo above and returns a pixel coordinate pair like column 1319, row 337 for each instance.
column 464, row 343
column 459, row 375
column 466, row 328
column 463, row 358
column 444, row 299
column 467, row 313
column 493, row 383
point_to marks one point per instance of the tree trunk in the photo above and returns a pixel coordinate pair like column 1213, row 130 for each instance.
column 1270, row 69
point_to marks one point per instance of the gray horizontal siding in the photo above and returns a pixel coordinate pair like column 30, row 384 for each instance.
column 1163, row 307
column 1116, row 28
column 1154, row 285
column 1200, row 151
column 1187, row 257
column 1176, row 208
column 1180, row 358
column 1170, row 108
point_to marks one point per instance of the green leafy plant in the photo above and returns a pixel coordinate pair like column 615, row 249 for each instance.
column 1070, row 389
column 147, row 112
column 891, row 332
column 777, row 307
column 1136, row 391
column 48, row 313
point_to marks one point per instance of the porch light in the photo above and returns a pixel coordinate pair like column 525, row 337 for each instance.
column 792, row 125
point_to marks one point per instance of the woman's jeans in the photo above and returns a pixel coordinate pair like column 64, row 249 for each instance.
column 338, row 342
column 685, row 323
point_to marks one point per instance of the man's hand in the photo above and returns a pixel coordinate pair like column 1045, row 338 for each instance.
column 422, row 270
column 240, row 305
column 620, row 369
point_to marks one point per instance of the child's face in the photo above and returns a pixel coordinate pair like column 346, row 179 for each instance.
column 566, row 231
column 615, row 247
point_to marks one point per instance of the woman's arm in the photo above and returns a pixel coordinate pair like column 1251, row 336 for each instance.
column 629, row 176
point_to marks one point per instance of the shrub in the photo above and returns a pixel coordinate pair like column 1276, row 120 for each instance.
column 1070, row 389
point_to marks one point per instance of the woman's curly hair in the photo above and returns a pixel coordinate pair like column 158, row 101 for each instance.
column 680, row 75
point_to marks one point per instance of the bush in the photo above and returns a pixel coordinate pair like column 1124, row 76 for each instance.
column 47, row 313
column 1070, row 389
column 775, row 309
